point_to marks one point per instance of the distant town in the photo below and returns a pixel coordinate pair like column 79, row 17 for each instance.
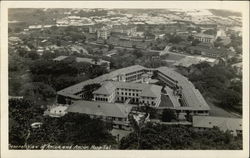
column 125, row 78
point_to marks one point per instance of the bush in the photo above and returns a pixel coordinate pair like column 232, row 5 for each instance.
column 168, row 115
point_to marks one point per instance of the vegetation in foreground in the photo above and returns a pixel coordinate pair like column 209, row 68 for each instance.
column 78, row 129
column 173, row 137
column 70, row 130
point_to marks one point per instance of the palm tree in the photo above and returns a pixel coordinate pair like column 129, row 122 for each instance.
column 26, row 139
column 137, row 126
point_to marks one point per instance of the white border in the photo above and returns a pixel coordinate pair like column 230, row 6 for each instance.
column 242, row 6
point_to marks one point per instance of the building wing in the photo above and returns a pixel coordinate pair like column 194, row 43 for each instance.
column 100, row 109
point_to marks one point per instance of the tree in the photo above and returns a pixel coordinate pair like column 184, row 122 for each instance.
column 72, row 129
column 218, row 43
column 37, row 91
column 216, row 83
column 210, row 32
column 137, row 126
column 96, row 60
column 21, row 114
column 110, row 47
column 198, row 29
column 32, row 55
column 58, row 42
column 138, row 53
column 190, row 38
column 195, row 42
column 167, row 137
column 88, row 91
column 168, row 115
column 230, row 99
column 175, row 39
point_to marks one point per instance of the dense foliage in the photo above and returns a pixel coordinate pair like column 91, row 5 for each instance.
column 21, row 114
column 216, row 82
column 168, row 115
column 63, row 74
column 156, row 136
column 72, row 129
column 127, row 58
column 88, row 91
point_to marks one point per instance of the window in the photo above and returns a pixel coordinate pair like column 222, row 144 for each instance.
column 129, row 94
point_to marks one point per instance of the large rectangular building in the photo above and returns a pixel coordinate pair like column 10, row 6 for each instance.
column 129, row 74
column 128, row 85
column 189, row 99
column 204, row 38
column 115, row 113
column 137, row 93
column 103, row 33
column 233, row 125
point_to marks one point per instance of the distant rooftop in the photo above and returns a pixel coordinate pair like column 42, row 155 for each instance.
column 79, row 59
column 60, row 58
column 188, row 61
column 202, row 35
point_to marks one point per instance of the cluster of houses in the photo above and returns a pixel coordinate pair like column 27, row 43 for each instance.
column 130, row 35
